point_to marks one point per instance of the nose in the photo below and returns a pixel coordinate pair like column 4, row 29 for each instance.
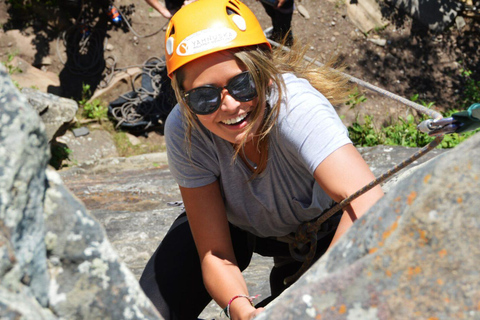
column 229, row 104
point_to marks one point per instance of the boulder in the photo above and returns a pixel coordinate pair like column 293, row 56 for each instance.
column 89, row 148
column 57, row 262
column 57, row 113
column 414, row 255
column 365, row 14
column 24, row 278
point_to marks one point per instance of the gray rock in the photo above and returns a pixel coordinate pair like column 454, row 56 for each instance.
column 414, row 255
column 89, row 149
column 88, row 280
column 57, row 113
column 56, row 262
column 23, row 158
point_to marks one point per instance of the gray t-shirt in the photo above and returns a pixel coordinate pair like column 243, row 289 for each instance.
column 285, row 194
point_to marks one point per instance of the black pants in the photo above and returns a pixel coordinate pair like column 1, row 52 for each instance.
column 281, row 22
column 173, row 280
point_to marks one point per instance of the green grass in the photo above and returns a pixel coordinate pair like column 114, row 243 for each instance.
column 95, row 109
column 401, row 133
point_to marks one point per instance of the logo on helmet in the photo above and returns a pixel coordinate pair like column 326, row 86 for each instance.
column 205, row 40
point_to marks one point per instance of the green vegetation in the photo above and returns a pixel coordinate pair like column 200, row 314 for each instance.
column 92, row 109
column 401, row 133
column 60, row 153
column 471, row 92
column 11, row 69
column 96, row 111
column 355, row 98
column 125, row 148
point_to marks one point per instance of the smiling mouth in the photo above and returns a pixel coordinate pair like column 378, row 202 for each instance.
column 236, row 120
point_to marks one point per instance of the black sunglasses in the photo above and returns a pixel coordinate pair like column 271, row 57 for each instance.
column 207, row 99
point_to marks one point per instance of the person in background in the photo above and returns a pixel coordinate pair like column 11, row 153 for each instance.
column 280, row 12
column 171, row 6
column 257, row 149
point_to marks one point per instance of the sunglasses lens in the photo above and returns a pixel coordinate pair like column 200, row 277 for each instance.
column 207, row 99
column 242, row 87
column 203, row 100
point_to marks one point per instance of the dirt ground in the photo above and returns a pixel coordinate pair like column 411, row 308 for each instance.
column 413, row 60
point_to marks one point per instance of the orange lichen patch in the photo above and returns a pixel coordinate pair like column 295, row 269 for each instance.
column 446, row 300
column 333, row 308
column 459, row 200
column 388, row 232
column 342, row 309
column 373, row 250
column 478, row 306
column 412, row 271
column 318, row 317
column 427, row 178
column 440, row 282
column 397, row 199
column 388, row 273
column 433, row 318
column 411, row 197
column 423, row 237
column 442, row 253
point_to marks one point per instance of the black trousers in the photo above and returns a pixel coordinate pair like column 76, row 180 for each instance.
column 172, row 278
column 281, row 21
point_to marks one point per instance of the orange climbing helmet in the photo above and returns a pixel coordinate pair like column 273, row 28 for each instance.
column 207, row 26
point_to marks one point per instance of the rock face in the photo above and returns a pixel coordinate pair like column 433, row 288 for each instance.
column 56, row 262
column 415, row 255
column 23, row 159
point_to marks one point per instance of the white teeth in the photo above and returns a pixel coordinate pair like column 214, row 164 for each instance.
column 235, row 120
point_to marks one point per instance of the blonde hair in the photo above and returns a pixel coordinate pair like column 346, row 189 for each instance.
column 266, row 68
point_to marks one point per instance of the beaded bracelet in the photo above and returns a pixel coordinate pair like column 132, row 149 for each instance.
column 249, row 298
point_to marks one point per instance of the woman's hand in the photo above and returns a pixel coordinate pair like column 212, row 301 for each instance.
column 256, row 312
column 209, row 225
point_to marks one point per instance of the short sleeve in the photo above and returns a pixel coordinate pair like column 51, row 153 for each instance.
column 310, row 126
column 192, row 164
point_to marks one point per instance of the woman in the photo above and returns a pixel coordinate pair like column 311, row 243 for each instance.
column 256, row 151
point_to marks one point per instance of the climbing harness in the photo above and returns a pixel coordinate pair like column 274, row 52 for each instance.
column 303, row 246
